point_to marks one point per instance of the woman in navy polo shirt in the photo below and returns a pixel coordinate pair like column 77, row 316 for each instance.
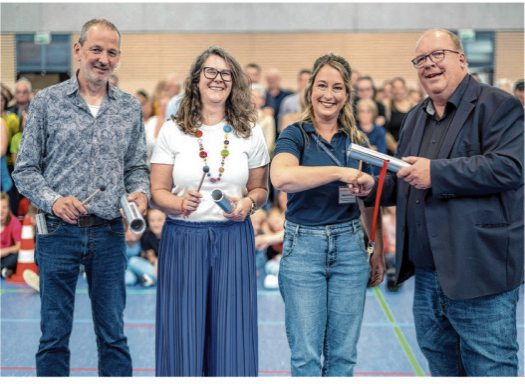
column 324, row 270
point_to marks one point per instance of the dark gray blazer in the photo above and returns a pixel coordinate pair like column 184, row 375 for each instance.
column 474, row 211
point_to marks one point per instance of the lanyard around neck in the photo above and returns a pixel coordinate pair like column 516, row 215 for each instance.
column 330, row 154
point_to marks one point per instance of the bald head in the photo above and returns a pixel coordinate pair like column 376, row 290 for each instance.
column 442, row 33
column 441, row 64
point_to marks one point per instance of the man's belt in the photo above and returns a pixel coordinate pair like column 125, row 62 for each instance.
column 85, row 221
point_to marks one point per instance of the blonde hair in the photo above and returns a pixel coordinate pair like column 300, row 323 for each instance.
column 345, row 120
column 368, row 103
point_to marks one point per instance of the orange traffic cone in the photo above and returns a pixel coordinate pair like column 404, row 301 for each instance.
column 26, row 255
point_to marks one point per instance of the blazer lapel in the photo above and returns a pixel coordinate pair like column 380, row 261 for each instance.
column 465, row 107
column 417, row 135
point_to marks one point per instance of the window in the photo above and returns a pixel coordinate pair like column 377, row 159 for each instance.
column 479, row 49
column 43, row 58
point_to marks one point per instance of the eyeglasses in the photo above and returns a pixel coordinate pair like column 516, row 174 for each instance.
column 435, row 57
column 211, row 73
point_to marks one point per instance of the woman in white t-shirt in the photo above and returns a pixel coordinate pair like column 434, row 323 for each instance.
column 207, row 295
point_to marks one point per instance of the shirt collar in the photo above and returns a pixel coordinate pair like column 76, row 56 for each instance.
column 73, row 87
column 454, row 99
column 308, row 127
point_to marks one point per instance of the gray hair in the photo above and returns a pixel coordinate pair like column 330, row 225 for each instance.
column 91, row 23
column 259, row 89
column 26, row 82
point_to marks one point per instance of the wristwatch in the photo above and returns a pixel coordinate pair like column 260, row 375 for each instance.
column 254, row 205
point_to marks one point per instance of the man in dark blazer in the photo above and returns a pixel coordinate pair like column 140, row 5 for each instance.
column 460, row 214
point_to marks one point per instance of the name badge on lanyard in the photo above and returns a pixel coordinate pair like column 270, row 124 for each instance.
column 345, row 196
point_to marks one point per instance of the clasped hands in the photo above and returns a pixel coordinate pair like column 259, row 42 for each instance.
column 359, row 183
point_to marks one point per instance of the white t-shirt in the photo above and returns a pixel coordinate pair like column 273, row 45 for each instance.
column 181, row 150
column 94, row 109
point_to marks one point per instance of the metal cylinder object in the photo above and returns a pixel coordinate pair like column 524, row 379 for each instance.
column 135, row 221
column 222, row 200
column 372, row 157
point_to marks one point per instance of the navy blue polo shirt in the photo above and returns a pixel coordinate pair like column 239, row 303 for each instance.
column 317, row 206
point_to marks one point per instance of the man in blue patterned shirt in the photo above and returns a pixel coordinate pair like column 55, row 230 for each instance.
column 81, row 136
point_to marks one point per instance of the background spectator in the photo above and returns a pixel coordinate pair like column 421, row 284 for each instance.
column 253, row 71
column 23, row 95
column 294, row 103
column 149, row 243
column 365, row 89
column 11, row 231
column 518, row 91
column 505, row 85
column 133, row 250
column 415, row 96
column 367, row 113
column 396, row 109
column 266, row 121
column 275, row 94
column 154, row 123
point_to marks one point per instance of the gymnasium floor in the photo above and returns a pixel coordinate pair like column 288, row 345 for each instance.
column 387, row 346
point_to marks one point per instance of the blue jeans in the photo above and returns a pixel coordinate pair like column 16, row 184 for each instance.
column 474, row 337
column 59, row 255
column 322, row 278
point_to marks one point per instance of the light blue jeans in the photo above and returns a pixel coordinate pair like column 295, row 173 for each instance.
column 474, row 337
column 322, row 278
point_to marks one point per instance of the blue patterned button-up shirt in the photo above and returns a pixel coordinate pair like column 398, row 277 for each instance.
column 66, row 151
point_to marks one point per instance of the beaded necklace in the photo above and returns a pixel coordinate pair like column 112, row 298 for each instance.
column 204, row 155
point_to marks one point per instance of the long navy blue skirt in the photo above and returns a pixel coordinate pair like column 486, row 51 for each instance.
column 206, row 300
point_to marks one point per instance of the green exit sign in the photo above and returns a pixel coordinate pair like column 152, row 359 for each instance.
column 42, row 38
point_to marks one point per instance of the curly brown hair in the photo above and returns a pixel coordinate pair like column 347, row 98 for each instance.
column 240, row 112
column 346, row 119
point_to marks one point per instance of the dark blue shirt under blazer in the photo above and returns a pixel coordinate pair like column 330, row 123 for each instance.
column 419, row 250
column 317, row 206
